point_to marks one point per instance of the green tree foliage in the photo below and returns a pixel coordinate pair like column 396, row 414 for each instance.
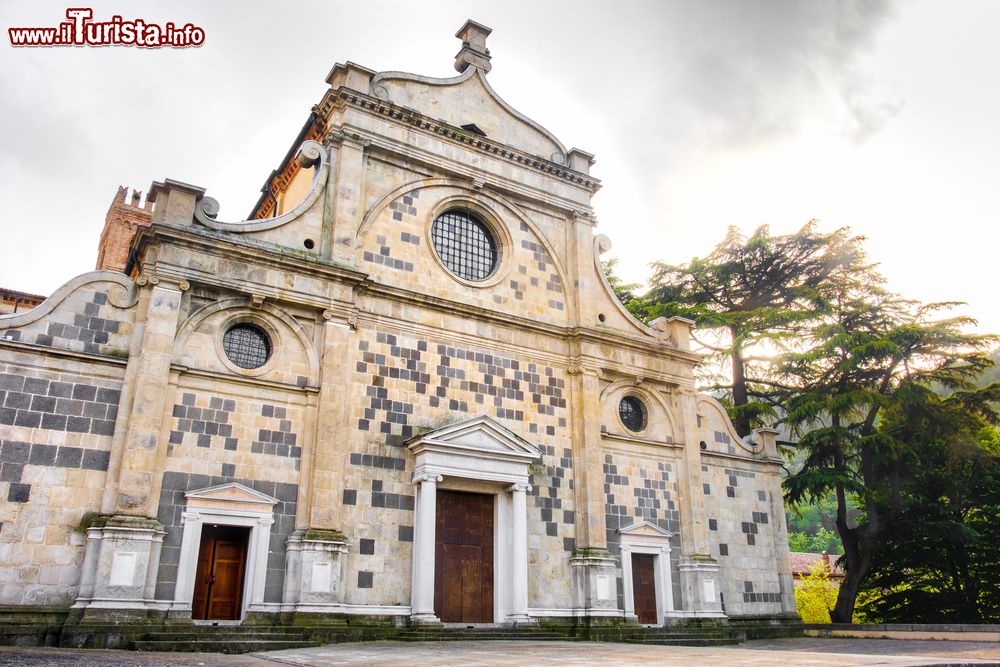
column 939, row 560
column 816, row 595
column 751, row 296
column 626, row 292
column 868, row 360
column 821, row 540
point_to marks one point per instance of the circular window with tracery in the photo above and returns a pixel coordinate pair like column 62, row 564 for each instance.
column 632, row 413
column 465, row 245
column 247, row 345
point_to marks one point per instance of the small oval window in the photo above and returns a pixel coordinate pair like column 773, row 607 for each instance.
column 632, row 413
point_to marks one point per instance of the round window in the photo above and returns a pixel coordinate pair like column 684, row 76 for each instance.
column 465, row 245
column 632, row 413
column 247, row 345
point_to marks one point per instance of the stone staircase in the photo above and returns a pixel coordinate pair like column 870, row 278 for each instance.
column 224, row 639
column 480, row 633
column 675, row 636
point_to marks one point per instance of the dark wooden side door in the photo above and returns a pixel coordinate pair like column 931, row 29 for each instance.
column 218, row 587
column 463, row 565
column 644, row 588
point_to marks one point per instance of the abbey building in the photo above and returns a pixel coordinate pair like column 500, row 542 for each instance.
column 402, row 389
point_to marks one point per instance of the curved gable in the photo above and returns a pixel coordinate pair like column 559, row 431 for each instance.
column 468, row 99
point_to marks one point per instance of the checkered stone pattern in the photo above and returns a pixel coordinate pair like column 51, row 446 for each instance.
column 83, row 322
column 219, row 433
column 173, row 503
column 66, row 403
column 396, row 249
column 55, row 436
column 741, row 538
column 640, row 488
column 405, row 386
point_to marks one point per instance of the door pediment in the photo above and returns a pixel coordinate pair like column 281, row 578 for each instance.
column 233, row 494
column 475, row 448
column 647, row 530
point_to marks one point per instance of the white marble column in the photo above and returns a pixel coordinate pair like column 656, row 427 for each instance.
column 188, row 564
column 667, row 578
column 519, row 554
column 422, row 587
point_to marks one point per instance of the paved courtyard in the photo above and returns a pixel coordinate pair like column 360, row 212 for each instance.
column 784, row 652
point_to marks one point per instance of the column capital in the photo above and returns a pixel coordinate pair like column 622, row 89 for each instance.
column 519, row 488
column 427, row 477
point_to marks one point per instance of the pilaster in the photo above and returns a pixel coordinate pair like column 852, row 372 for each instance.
column 332, row 435
column 152, row 362
column 347, row 206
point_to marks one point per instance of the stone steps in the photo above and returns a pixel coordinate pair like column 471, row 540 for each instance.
column 224, row 639
column 690, row 641
column 479, row 636
column 205, row 645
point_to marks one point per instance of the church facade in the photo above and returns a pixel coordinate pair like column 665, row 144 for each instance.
column 403, row 390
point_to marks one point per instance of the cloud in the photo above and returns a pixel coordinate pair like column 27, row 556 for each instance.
column 738, row 74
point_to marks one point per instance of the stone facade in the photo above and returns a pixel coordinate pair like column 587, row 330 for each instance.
column 129, row 427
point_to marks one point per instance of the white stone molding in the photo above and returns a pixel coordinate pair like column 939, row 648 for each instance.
column 309, row 154
column 478, row 455
column 602, row 244
column 226, row 505
column 656, row 405
column 261, row 315
column 124, row 295
column 645, row 537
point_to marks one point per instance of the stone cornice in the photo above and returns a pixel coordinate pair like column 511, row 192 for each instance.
column 346, row 96
column 249, row 250
column 272, row 256
column 385, row 150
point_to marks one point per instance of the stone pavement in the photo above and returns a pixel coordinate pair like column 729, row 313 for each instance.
column 784, row 652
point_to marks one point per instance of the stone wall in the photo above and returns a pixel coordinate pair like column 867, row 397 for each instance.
column 55, row 440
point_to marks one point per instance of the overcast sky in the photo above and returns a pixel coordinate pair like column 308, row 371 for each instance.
column 702, row 114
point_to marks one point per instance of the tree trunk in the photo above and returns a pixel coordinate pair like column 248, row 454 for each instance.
column 742, row 421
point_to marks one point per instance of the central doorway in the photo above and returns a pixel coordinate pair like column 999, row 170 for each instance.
column 463, row 570
column 644, row 588
column 218, row 587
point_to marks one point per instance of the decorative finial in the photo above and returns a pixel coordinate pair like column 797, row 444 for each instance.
column 474, row 51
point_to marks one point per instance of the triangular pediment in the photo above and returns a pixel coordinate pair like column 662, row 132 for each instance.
column 645, row 529
column 476, row 434
column 233, row 492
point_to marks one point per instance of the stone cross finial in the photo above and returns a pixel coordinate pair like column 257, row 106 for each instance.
column 474, row 51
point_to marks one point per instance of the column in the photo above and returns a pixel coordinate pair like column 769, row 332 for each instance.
column 667, row 578
column 519, row 554
column 187, row 566
column 422, row 587
column 627, row 585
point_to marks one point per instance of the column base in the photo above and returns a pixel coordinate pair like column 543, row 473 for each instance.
column 313, row 564
column 120, row 565
column 594, row 575
column 699, row 576
column 426, row 620
column 519, row 621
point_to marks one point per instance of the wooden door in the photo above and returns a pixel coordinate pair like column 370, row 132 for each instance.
column 463, row 565
column 644, row 588
column 218, row 588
